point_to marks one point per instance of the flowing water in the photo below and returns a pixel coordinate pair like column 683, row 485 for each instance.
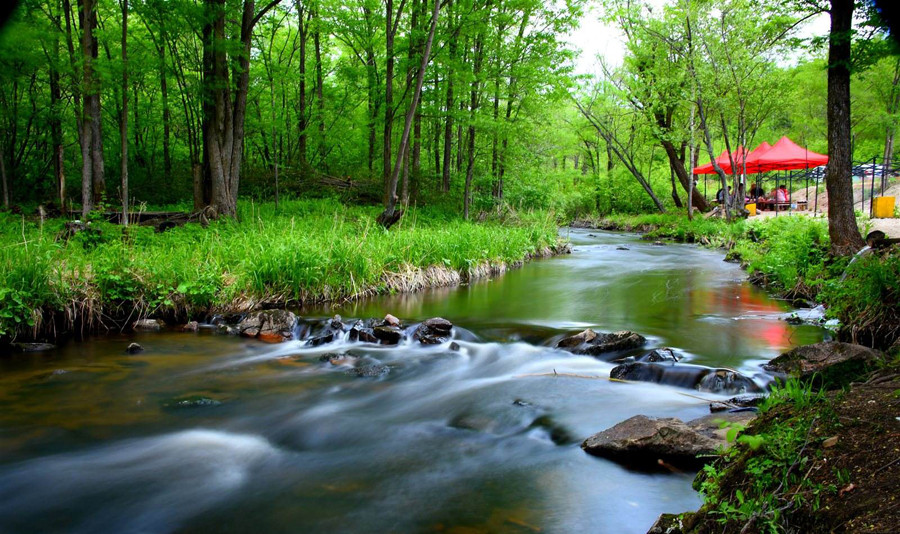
column 207, row 433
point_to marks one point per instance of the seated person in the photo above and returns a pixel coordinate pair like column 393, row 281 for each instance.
column 782, row 195
column 720, row 196
column 756, row 193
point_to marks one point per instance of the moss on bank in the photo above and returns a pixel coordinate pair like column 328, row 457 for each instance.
column 790, row 255
column 305, row 251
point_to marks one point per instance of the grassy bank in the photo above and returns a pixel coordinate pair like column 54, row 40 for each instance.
column 305, row 251
column 813, row 461
column 790, row 256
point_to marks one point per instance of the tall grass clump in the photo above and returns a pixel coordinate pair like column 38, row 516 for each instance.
column 306, row 250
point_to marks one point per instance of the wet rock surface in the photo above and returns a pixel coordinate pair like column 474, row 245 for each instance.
column 388, row 335
column 664, row 354
column 369, row 371
column 268, row 324
column 830, row 361
column 593, row 343
column 192, row 326
column 433, row 331
column 686, row 376
column 147, row 325
column 134, row 348
column 644, row 441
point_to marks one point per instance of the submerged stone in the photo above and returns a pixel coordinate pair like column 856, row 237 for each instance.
column 369, row 371
column 193, row 401
column 558, row 434
column 664, row 354
column 33, row 347
column 192, row 326
column 148, row 325
column 134, row 348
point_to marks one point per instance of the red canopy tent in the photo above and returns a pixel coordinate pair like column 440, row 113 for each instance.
column 785, row 155
column 724, row 161
column 753, row 158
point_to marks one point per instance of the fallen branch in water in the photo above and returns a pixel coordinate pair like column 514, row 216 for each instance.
column 573, row 375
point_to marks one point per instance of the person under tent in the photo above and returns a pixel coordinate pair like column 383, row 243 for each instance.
column 756, row 193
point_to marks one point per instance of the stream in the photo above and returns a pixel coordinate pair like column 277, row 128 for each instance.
column 213, row 434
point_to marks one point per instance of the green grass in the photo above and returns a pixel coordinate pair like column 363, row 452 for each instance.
column 305, row 250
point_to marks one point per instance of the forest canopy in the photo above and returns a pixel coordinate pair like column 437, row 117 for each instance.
column 468, row 103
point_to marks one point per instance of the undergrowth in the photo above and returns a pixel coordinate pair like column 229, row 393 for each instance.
column 307, row 250
column 757, row 482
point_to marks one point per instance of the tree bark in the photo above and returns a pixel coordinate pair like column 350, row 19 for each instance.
column 225, row 113
column 473, row 108
column 87, row 197
column 98, row 171
column 390, row 214
column 123, row 125
column 845, row 236
column 56, row 123
column 301, row 104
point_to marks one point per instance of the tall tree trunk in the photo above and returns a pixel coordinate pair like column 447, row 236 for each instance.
column 320, row 93
column 167, row 115
column 473, row 108
column 3, row 180
column 98, row 172
column 123, row 125
column 390, row 214
column 387, row 141
column 301, row 104
column 845, row 236
column 56, row 123
column 87, row 197
column 225, row 113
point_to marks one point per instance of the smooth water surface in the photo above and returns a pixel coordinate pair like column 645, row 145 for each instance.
column 95, row 440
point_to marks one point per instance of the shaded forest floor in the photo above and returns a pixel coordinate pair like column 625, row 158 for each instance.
column 107, row 276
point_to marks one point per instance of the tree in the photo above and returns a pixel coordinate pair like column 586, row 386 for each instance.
column 226, row 109
column 845, row 236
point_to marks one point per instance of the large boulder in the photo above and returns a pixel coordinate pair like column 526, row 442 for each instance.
column 643, row 440
column 270, row 325
column 433, row 331
column 592, row 343
column 832, row 361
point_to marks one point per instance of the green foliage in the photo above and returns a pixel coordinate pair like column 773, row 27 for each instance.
column 762, row 476
column 304, row 250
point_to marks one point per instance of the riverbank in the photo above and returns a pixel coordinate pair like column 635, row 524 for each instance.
column 790, row 257
column 814, row 461
column 106, row 276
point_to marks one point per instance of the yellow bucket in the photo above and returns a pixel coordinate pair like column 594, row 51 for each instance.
column 752, row 209
column 883, row 207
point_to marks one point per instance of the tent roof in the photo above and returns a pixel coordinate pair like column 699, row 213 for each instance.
column 785, row 155
column 723, row 160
